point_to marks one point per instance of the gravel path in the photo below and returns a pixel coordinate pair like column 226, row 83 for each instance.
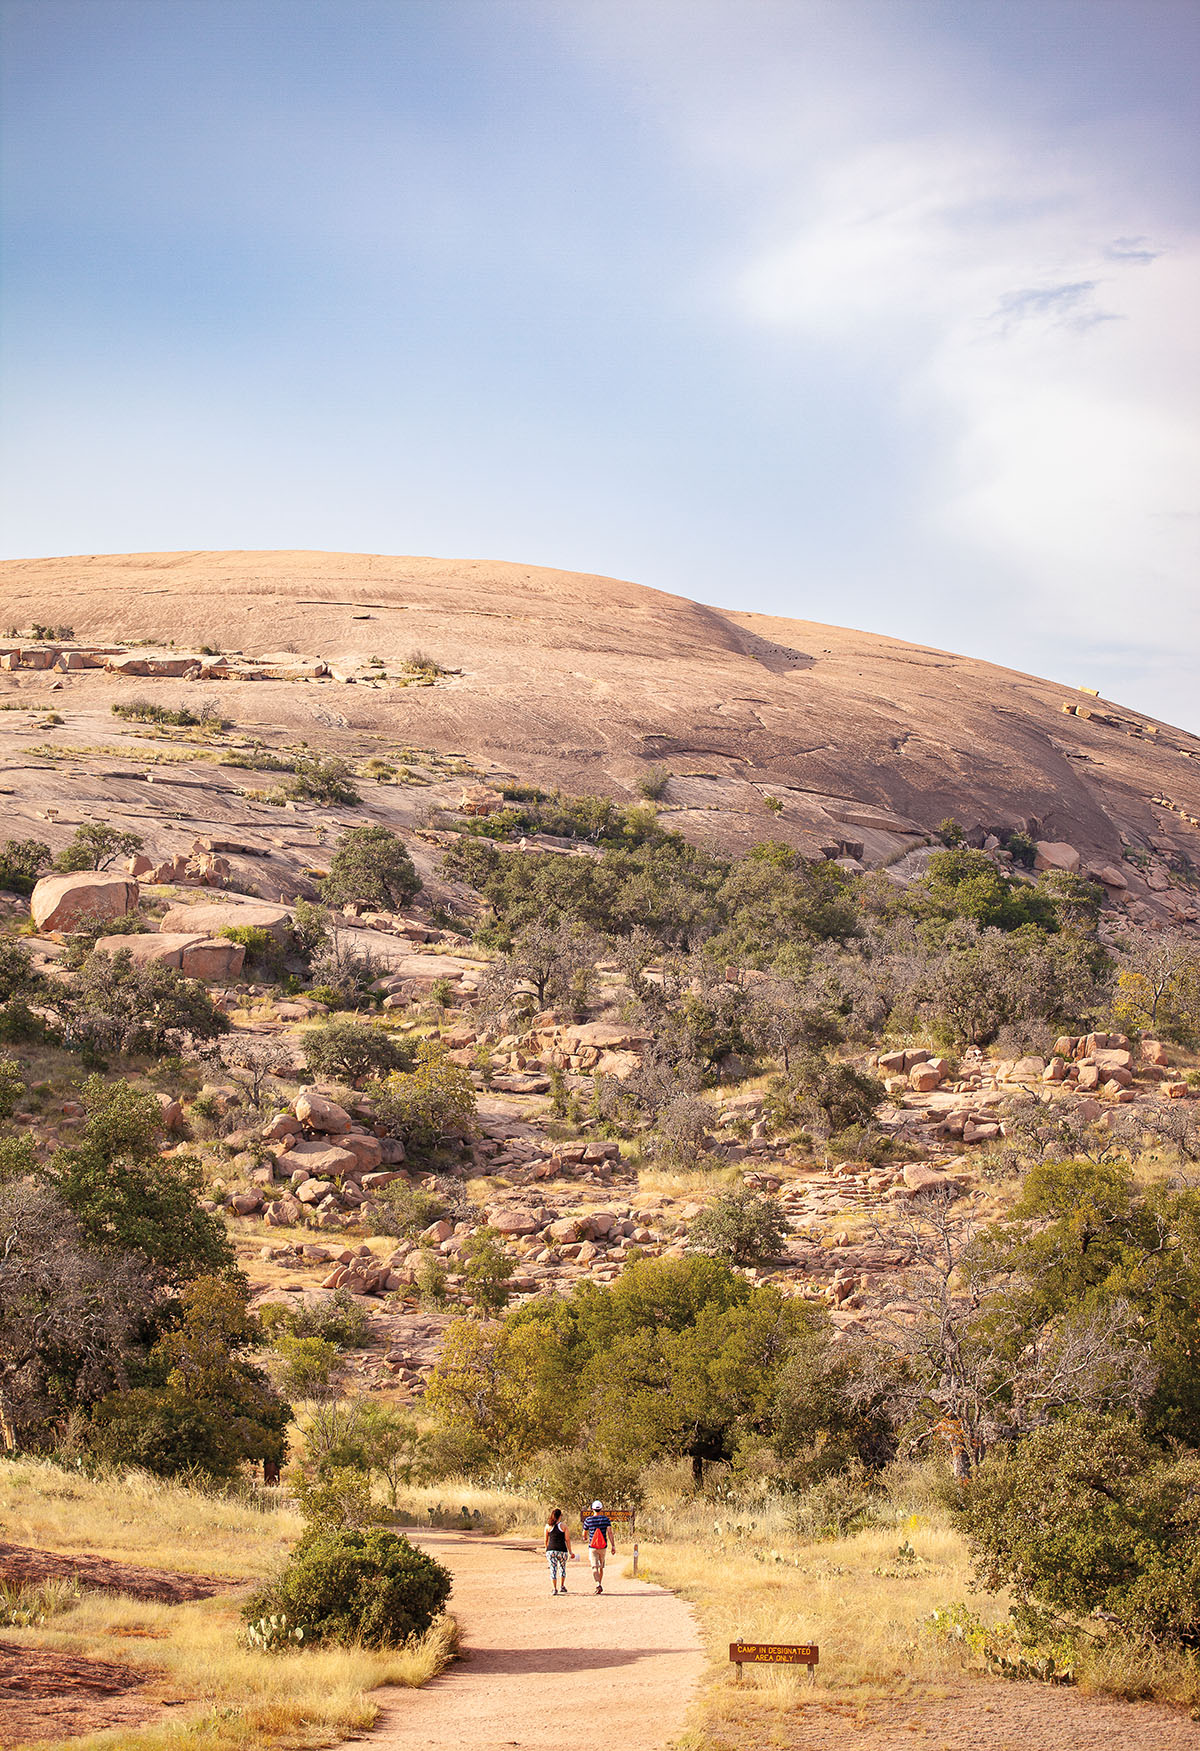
column 622, row 1668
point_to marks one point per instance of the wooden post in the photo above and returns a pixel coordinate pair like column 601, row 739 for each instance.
column 635, row 1560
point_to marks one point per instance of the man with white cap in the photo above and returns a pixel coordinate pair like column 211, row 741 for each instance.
column 597, row 1528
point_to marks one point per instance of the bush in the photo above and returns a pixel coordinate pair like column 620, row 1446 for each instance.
column 569, row 1477
column 406, row 1211
column 348, row 1586
column 830, row 1097
column 116, row 1005
column 338, row 1319
column 12, row 1085
column 740, row 1227
column 418, row 1106
column 351, row 1050
column 371, row 868
column 21, row 863
column 322, row 779
column 264, row 952
column 1086, row 1517
column 487, row 1268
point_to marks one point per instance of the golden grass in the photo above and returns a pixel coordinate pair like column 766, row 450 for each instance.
column 229, row 1697
column 135, row 1518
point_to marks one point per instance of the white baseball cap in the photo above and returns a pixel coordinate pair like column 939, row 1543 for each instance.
column 597, row 1504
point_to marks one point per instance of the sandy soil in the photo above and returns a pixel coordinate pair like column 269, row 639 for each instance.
column 538, row 1670
column 976, row 1716
column 19, row 1564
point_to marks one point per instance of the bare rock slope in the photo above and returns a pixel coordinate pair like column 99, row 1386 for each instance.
column 588, row 682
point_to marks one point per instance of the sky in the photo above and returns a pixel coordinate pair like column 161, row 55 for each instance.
column 875, row 312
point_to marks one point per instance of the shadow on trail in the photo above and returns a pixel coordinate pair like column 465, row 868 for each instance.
column 499, row 1661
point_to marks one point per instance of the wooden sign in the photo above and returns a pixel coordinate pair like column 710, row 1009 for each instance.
column 774, row 1654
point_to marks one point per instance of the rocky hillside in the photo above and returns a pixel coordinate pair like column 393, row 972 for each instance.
column 841, row 742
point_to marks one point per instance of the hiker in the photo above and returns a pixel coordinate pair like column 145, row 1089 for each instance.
column 558, row 1550
column 599, row 1533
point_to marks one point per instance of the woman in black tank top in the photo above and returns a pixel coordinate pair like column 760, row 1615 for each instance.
column 558, row 1550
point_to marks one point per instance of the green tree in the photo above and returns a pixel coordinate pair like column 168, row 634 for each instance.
column 1085, row 1517
column 351, row 1050
column 487, row 1269
column 127, row 1197
column 12, row 1085
column 97, row 846
column 832, row 1096
column 371, row 867
column 210, row 1407
column 116, row 1005
column 21, row 863
column 740, row 1226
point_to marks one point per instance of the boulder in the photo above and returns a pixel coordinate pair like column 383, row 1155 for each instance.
column 919, row 1178
column 564, row 1231
column 1154, row 1052
column 374, row 1182
column 1053, row 854
column 65, row 902
column 1027, row 1070
column 1175, row 1090
column 247, row 1203
column 172, row 1113
column 282, row 1125
column 319, row 1114
column 367, row 1151
column 210, row 917
column 924, row 1078
column 213, row 958
column 514, row 1222
column 149, row 946
column 319, row 1157
column 313, row 1190
column 285, row 1213
column 436, row 1233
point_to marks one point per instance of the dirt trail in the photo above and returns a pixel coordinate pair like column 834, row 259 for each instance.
column 624, row 1666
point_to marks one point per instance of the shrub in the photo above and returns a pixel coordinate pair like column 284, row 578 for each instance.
column 349, row 1586
column 264, row 953
column 338, row 1319
column 418, row 1106
column 21, row 863
column 740, row 1227
column 405, row 1211
column 830, row 1097
column 12, row 1085
column 307, row 1364
column 572, row 1476
column 487, row 1268
column 116, row 1005
column 350, row 1050
column 653, row 783
column 322, row 779
column 371, row 868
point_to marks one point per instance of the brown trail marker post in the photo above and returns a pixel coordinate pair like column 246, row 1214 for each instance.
column 774, row 1654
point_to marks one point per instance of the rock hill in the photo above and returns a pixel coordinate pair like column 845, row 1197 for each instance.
column 842, row 742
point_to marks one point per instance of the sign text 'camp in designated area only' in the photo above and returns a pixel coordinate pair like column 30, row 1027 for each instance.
column 774, row 1654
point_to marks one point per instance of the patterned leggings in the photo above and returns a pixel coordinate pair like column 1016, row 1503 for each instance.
column 557, row 1560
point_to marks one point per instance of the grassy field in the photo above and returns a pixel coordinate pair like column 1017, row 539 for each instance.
column 229, row 1698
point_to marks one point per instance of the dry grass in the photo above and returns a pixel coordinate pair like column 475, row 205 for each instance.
column 229, row 1697
column 135, row 1518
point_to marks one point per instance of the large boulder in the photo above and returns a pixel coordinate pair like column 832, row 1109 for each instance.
column 1054, row 854
column 319, row 1114
column 211, row 917
column 318, row 1157
column 213, row 958
column 150, row 946
column 65, row 902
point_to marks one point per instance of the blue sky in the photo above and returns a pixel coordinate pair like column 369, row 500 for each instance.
column 875, row 313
